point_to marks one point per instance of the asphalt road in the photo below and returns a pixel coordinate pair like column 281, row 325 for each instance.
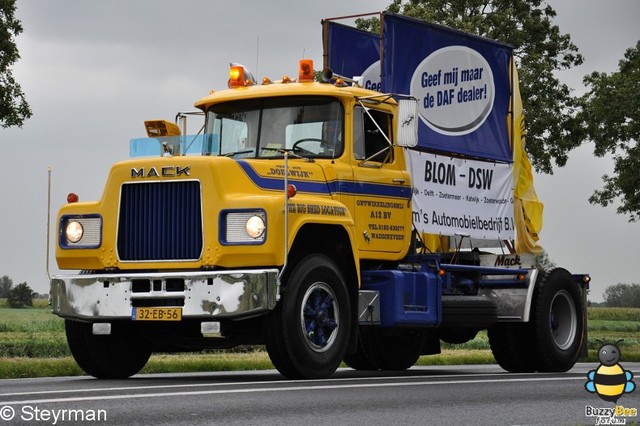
column 447, row 395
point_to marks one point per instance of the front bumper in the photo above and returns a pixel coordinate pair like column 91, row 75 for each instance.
column 211, row 294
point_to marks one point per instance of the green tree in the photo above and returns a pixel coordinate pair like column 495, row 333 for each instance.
column 622, row 296
column 540, row 49
column 14, row 108
column 20, row 296
column 5, row 286
column 611, row 116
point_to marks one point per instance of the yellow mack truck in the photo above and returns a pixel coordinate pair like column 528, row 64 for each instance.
column 298, row 218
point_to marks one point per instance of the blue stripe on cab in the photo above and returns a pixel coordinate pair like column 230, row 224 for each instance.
column 332, row 187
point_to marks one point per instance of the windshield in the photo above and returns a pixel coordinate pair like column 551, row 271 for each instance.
column 311, row 126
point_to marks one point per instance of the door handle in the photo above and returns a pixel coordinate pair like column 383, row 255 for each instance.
column 399, row 180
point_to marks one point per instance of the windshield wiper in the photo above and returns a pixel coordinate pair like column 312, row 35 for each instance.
column 234, row 153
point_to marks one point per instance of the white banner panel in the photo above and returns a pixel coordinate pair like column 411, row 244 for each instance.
column 454, row 195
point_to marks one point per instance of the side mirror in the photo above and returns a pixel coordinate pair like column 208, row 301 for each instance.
column 408, row 122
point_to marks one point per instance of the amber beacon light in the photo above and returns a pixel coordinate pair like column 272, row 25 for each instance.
column 236, row 76
column 305, row 70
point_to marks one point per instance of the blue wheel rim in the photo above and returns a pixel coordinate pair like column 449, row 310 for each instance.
column 319, row 317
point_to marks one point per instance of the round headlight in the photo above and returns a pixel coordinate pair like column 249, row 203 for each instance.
column 74, row 231
column 255, row 227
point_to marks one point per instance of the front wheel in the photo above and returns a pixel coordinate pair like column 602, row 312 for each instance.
column 308, row 332
column 116, row 356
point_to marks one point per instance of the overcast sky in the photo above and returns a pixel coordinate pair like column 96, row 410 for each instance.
column 93, row 71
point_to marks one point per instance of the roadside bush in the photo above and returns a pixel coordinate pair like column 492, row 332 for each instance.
column 622, row 295
column 20, row 296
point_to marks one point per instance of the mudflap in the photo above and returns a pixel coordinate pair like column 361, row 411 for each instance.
column 583, row 281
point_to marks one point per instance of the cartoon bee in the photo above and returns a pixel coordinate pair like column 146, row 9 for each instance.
column 610, row 380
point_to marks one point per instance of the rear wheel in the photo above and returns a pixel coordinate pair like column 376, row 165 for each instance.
column 512, row 347
column 551, row 340
column 557, row 318
column 363, row 358
column 116, row 356
column 308, row 332
column 398, row 349
column 386, row 349
column 456, row 336
column 468, row 312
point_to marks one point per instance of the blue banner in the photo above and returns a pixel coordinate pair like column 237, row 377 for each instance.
column 350, row 52
column 461, row 82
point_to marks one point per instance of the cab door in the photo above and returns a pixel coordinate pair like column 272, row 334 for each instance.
column 382, row 191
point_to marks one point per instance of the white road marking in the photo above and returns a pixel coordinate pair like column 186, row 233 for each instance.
column 268, row 389
column 197, row 385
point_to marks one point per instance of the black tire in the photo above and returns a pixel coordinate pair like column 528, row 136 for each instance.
column 116, row 356
column 386, row 349
column 468, row 312
column 512, row 347
column 457, row 336
column 363, row 358
column 551, row 340
column 397, row 350
column 307, row 334
column 557, row 321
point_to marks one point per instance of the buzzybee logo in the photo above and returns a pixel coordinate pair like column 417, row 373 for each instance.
column 610, row 381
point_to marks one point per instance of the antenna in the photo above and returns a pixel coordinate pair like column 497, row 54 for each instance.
column 48, row 220
column 257, row 54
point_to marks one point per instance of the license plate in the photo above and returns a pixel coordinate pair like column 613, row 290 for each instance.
column 156, row 314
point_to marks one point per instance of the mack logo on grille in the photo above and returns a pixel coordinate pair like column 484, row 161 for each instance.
column 166, row 171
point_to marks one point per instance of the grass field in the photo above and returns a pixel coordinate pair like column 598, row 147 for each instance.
column 33, row 344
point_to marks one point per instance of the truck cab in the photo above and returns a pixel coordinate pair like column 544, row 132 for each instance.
column 194, row 236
